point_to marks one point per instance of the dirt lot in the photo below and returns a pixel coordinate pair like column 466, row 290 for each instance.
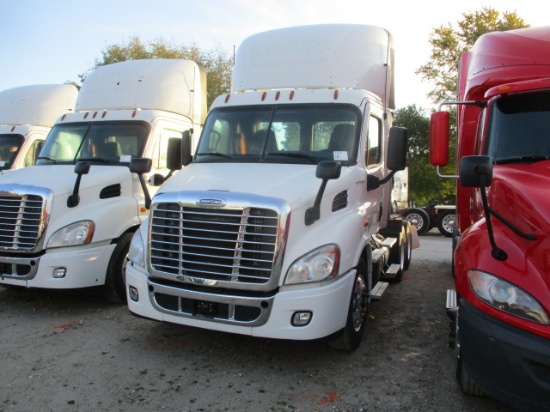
column 76, row 352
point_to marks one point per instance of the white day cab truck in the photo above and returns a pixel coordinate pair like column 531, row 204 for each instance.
column 67, row 221
column 280, row 226
column 27, row 114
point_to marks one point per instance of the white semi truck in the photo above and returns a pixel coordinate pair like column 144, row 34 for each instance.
column 27, row 114
column 280, row 227
column 67, row 221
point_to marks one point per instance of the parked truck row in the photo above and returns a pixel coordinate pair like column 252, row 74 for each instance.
column 500, row 307
column 280, row 225
column 278, row 221
column 67, row 221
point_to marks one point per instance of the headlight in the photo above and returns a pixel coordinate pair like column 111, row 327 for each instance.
column 79, row 233
column 507, row 297
column 136, row 253
column 315, row 266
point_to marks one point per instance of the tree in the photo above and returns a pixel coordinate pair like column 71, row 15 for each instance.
column 449, row 43
column 425, row 186
column 217, row 63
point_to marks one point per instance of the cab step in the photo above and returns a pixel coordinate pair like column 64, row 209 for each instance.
column 378, row 290
column 451, row 304
column 389, row 242
column 392, row 271
column 377, row 254
column 386, row 245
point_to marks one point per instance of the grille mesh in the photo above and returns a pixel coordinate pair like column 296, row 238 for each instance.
column 20, row 221
column 234, row 245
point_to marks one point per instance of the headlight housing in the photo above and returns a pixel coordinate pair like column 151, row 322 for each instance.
column 507, row 297
column 320, row 264
column 136, row 253
column 79, row 233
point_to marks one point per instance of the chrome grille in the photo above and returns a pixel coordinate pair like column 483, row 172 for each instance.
column 20, row 221
column 231, row 245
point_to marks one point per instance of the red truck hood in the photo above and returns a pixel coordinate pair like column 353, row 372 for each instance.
column 521, row 194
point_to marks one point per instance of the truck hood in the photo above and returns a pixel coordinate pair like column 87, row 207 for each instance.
column 519, row 193
column 296, row 184
column 61, row 178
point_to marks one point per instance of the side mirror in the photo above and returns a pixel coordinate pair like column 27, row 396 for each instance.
column 439, row 139
column 186, row 155
column 174, row 154
column 325, row 171
column 328, row 170
column 81, row 168
column 476, row 171
column 141, row 165
column 396, row 158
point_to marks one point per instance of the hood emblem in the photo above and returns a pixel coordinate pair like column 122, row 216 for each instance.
column 211, row 202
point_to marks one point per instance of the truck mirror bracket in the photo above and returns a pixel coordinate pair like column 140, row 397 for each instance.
column 81, row 168
column 326, row 170
column 477, row 171
column 374, row 182
column 140, row 166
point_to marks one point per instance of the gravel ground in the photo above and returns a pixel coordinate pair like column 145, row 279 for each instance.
column 73, row 351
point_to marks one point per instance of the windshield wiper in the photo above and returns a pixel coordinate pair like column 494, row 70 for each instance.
column 92, row 159
column 215, row 154
column 312, row 159
column 46, row 158
column 522, row 159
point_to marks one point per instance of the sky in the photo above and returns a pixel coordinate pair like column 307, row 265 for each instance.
column 56, row 40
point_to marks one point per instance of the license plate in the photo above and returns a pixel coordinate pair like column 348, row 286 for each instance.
column 205, row 308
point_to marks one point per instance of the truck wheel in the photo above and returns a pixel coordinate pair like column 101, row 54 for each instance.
column 398, row 254
column 408, row 245
column 446, row 222
column 115, row 281
column 419, row 218
column 350, row 337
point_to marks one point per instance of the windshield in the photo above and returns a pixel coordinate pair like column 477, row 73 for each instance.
column 280, row 134
column 520, row 129
column 9, row 147
column 101, row 142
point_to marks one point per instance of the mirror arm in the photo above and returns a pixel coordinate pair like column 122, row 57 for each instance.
column 374, row 182
column 314, row 213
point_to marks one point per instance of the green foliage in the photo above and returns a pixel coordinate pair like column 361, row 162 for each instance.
column 449, row 43
column 217, row 63
column 425, row 186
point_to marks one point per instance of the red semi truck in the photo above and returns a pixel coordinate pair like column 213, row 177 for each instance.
column 501, row 246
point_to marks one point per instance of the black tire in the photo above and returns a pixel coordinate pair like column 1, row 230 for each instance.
column 419, row 218
column 446, row 222
column 115, row 281
column 398, row 254
column 408, row 245
column 350, row 337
